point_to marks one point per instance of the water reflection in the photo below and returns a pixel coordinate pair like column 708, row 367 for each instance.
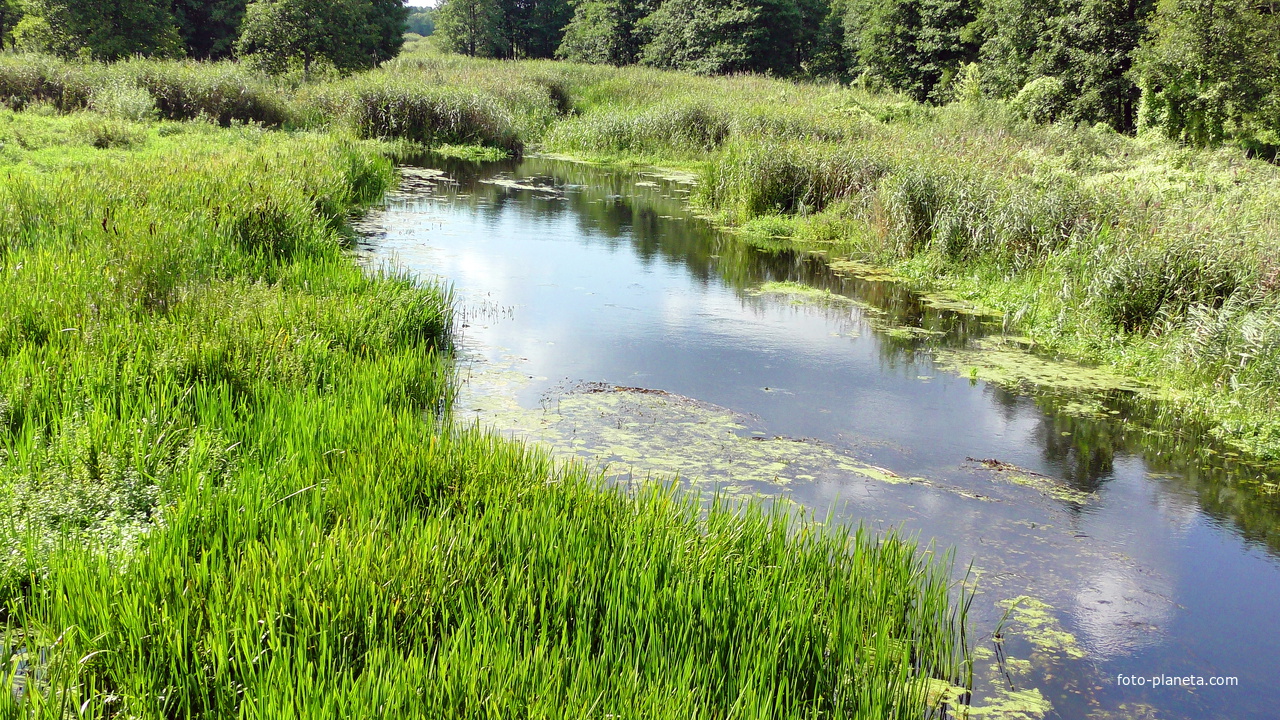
column 604, row 276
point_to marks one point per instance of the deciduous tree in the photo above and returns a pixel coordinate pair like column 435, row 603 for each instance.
column 277, row 33
column 470, row 27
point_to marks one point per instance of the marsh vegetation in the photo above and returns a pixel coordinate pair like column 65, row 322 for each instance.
column 230, row 475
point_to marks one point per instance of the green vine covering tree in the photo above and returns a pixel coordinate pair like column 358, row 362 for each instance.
column 1210, row 71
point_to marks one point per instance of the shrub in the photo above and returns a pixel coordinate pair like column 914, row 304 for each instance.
column 429, row 115
column 223, row 92
column 1041, row 100
column 109, row 132
column 752, row 178
column 29, row 79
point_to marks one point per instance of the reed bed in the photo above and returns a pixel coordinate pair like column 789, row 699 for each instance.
column 230, row 485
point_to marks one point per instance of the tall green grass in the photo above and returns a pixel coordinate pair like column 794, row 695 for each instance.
column 230, row 487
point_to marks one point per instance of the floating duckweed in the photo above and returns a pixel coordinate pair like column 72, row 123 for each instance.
column 998, row 360
column 1052, row 487
column 1033, row 619
column 864, row 271
column 803, row 293
column 952, row 303
column 636, row 432
column 1009, row 705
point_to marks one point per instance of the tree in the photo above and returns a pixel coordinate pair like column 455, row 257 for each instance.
column 1086, row 45
column 470, row 27
column 278, row 33
column 604, row 32
column 913, row 46
column 722, row 36
column 388, row 20
column 1210, row 71
column 105, row 29
column 10, row 14
column 421, row 21
column 209, row 28
column 702, row 36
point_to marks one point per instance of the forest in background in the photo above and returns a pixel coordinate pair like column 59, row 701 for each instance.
column 1202, row 72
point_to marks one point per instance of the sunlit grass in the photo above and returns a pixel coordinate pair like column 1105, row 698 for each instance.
column 230, row 487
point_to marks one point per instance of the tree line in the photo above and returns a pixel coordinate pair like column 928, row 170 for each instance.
column 1201, row 70
column 277, row 34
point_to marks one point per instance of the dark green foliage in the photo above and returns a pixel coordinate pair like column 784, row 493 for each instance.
column 209, row 28
column 604, row 32
column 1210, row 71
column 388, row 20
column 10, row 13
column 504, row 28
column 912, row 46
column 1087, row 45
column 278, row 33
column 107, row 29
column 470, row 27
column 724, row 36
column 531, row 28
column 702, row 36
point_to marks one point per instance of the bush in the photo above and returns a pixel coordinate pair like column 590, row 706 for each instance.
column 109, row 132
column 753, row 179
column 379, row 108
column 29, row 79
column 223, row 92
column 1041, row 100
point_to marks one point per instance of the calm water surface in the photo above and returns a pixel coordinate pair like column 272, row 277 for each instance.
column 1144, row 550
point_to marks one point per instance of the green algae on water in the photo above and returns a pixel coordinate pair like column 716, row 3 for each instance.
column 636, row 433
column 1053, row 487
column 801, row 293
column 1033, row 619
column 1001, row 361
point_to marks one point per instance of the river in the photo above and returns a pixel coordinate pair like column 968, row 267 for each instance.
column 1106, row 540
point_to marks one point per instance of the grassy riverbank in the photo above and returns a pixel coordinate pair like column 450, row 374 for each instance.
column 1134, row 253
column 229, row 486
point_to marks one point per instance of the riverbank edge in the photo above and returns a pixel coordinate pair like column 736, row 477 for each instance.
column 1252, row 433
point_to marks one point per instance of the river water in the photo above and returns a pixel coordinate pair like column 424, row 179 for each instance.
column 1104, row 538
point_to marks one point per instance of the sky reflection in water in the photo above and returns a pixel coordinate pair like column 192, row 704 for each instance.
column 570, row 274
